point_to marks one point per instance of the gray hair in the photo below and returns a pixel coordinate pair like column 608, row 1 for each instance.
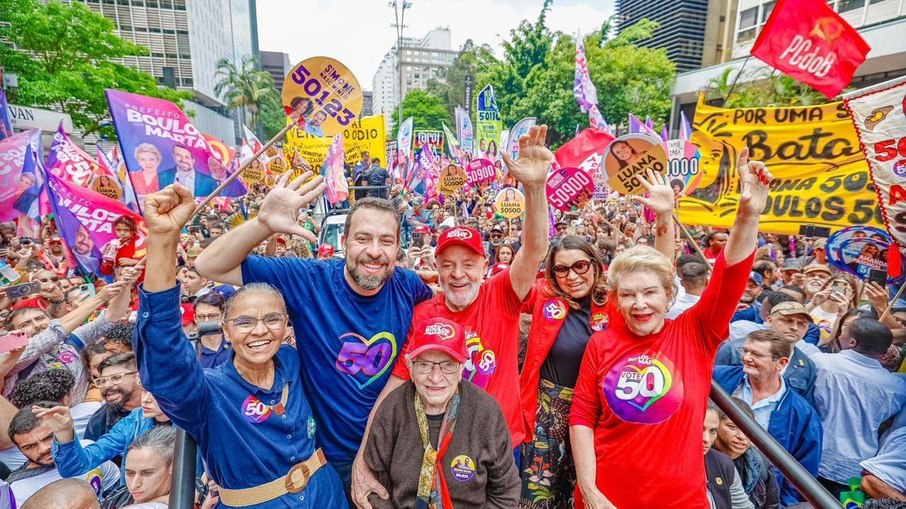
column 253, row 288
column 160, row 438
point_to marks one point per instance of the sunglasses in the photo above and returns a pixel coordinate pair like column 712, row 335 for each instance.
column 579, row 267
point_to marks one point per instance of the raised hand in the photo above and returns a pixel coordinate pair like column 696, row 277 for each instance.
column 534, row 158
column 108, row 292
column 661, row 198
column 168, row 210
column 281, row 206
column 58, row 419
column 754, row 184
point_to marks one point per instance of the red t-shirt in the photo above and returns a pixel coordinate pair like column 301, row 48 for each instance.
column 645, row 398
column 492, row 337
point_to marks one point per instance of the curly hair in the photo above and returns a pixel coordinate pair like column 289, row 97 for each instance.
column 121, row 333
column 51, row 385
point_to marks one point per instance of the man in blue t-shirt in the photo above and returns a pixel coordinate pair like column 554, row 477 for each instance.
column 350, row 317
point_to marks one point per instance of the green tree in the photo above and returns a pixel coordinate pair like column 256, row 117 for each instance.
column 450, row 85
column 427, row 111
column 65, row 56
column 760, row 89
column 272, row 119
column 245, row 87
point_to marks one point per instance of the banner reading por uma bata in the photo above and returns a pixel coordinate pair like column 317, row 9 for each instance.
column 820, row 176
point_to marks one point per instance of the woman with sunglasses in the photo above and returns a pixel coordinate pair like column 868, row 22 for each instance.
column 643, row 383
column 567, row 307
column 250, row 416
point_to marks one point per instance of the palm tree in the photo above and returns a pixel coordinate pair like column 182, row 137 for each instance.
column 245, row 87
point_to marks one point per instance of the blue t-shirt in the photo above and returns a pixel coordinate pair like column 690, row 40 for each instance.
column 347, row 343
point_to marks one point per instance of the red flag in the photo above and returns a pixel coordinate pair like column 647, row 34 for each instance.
column 585, row 150
column 808, row 41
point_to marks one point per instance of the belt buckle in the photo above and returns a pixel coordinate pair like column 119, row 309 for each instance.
column 297, row 478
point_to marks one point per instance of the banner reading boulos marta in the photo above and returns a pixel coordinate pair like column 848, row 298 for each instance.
column 820, row 176
column 160, row 145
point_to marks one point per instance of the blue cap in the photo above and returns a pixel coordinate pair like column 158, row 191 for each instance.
column 756, row 277
column 226, row 290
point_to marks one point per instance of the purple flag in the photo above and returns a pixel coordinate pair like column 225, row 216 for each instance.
column 6, row 128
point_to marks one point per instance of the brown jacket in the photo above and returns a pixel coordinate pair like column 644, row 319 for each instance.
column 478, row 466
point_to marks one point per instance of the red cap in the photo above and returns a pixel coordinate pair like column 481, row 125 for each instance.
column 440, row 335
column 188, row 314
column 326, row 250
column 281, row 240
column 461, row 236
column 422, row 228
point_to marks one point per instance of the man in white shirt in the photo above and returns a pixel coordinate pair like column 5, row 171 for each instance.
column 54, row 385
column 694, row 279
column 854, row 394
column 35, row 439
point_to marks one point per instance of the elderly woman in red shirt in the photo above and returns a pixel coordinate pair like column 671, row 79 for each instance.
column 643, row 384
column 567, row 307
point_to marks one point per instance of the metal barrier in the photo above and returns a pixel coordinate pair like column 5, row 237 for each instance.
column 807, row 485
column 182, row 480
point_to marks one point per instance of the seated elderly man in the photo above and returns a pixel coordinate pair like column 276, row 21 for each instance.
column 439, row 441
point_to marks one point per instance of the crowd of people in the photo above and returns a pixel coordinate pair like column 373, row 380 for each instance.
column 443, row 356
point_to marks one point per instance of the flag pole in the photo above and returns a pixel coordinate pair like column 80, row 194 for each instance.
column 892, row 302
column 236, row 174
column 736, row 79
column 695, row 245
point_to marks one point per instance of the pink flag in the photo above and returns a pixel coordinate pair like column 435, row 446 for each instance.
column 337, row 187
column 15, row 187
column 67, row 161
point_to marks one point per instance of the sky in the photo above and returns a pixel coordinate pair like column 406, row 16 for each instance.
column 358, row 33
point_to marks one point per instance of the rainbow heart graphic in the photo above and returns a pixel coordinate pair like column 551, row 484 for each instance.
column 668, row 382
column 372, row 356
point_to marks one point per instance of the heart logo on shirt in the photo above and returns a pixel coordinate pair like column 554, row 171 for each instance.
column 633, row 386
column 366, row 359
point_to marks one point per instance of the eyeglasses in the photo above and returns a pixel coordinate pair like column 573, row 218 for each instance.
column 210, row 318
column 113, row 379
column 272, row 321
column 48, row 279
column 758, row 355
column 425, row 367
column 579, row 267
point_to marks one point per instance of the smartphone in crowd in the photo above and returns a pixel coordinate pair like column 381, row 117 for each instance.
column 87, row 290
column 878, row 276
column 19, row 291
column 13, row 340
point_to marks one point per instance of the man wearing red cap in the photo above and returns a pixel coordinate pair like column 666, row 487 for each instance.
column 472, row 464
column 326, row 251
column 488, row 312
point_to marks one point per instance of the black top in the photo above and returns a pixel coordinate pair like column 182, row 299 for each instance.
column 562, row 364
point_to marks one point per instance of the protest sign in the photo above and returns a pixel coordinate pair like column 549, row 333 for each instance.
column 13, row 184
column 480, row 172
column 85, row 220
column 367, row 134
column 682, row 166
column 488, row 126
column 324, row 93
column 820, row 175
column 464, row 131
column 451, row 179
column 858, row 249
column 879, row 116
column 521, row 128
column 67, row 161
column 569, row 189
column 107, row 186
column 632, row 155
column 222, row 164
column 422, row 138
column 509, row 203
column 160, row 145
column 334, row 177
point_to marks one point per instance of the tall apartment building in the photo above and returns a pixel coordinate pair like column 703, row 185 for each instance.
column 418, row 60
column 186, row 39
column 681, row 31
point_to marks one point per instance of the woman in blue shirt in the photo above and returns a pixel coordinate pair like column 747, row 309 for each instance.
column 250, row 417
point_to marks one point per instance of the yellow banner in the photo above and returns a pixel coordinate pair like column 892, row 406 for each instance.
column 368, row 134
column 820, row 175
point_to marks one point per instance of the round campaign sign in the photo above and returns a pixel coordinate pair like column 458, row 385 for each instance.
column 325, row 94
column 835, row 243
column 683, row 174
column 509, row 203
column 632, row 155
column 255, row 173
column 569, row 188
column 860, row 256
column 451, row 179
column 106, row 185
column 481, row 171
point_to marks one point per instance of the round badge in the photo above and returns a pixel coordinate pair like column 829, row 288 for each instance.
column 632, row 155
column 509, row 203
column 569, row 188
column 481, row 171
column 67, row 357
column 554, row 310
column 451, row 179
column 254, row 410
column 462, row 468
column 325, row 93
column 599, row 321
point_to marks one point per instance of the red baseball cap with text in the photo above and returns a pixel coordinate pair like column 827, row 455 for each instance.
column 440, row 335
column 461, row 236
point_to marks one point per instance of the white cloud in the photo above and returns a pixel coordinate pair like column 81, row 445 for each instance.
column 358, row 32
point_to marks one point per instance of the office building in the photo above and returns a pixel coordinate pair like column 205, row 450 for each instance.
column 417, row 61
column 367, row 103
column 278, row 65
column 186, row 40
column 681, row 31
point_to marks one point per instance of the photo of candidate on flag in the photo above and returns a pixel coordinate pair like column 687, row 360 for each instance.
column 160, row 145
column 16, row 185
